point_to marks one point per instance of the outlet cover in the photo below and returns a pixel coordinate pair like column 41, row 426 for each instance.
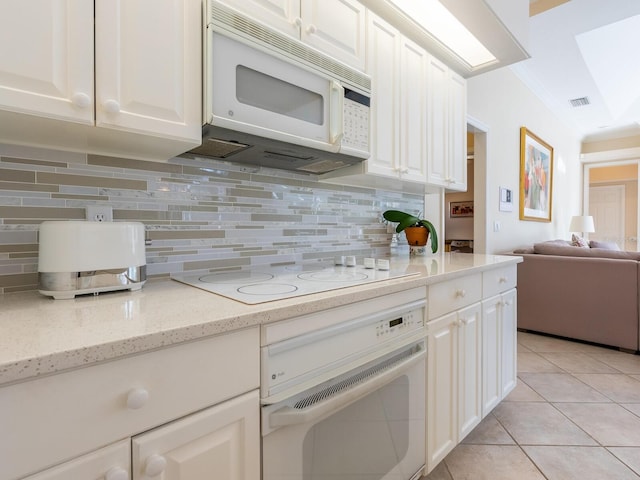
column 99, row 213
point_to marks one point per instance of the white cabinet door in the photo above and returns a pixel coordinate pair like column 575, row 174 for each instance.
column 438, row 74
column 336, row 27
column 457, row 141
column 219, row 442
column 47, row 59
column 447, row 129
column 509, row 342
column 383, row 47
column 147, row 66
column 442, row 388
column 469, row 369
column 491, row 353
column 111, row 462
column 413, row 111
column 282, row 15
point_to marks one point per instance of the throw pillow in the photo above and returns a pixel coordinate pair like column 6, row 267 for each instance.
column 605, row 245
column 578, row 241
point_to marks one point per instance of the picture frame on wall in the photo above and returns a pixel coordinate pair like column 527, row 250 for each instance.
column 536, row 177
column 461, row 209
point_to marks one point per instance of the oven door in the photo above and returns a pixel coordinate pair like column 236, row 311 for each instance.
column 368, row 423
column 257, row 92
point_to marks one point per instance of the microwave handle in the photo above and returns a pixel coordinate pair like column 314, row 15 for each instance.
column 291, row 416
column 336, row 106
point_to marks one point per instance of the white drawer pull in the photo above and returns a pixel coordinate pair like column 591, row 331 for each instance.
column 502, row 280
column 137, row 398
column 81, row 100
column 155, row 465
column 461, row 293
column 311, row 29
column 117, row 473
column 297, row 22
column 112, row 106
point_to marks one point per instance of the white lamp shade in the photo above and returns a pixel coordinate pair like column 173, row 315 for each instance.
column 582, row 223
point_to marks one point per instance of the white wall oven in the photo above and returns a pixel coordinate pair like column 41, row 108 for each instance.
column 343, row 392
column 272, row 100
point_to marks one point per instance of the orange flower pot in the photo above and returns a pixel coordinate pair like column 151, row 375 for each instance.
column 416, row 236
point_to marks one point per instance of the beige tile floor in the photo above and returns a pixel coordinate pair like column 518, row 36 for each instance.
column 575, row 414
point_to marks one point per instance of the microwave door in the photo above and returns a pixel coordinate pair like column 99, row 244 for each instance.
column 262, row 94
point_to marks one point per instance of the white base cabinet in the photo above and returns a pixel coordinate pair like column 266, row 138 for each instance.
column 453, row 380
column 219, row 442
column 499, row 348
column 471, row 354
column 190, row 408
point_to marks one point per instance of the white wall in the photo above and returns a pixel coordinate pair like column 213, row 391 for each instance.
column 501, row 101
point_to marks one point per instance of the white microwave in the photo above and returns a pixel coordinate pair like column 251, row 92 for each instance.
column 272, row 100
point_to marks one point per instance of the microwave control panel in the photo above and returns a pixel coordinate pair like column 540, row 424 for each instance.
column 356, row 120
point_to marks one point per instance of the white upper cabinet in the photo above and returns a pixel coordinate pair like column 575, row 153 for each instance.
column 447, row 138
column 47, row 59
column 335, row 27
column 137, row 76
column 145, row 82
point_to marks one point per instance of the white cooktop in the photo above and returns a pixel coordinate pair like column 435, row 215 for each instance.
column 276, row 283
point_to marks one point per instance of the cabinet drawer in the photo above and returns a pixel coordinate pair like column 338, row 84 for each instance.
column 453, row 295
column 498, row 280
column 54, row 418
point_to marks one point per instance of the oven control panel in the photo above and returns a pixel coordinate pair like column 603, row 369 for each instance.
column 394, row 326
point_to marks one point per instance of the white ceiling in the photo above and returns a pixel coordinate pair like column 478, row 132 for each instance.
column 587, row 48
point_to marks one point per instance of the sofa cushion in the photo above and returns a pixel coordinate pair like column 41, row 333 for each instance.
column 547, row 248
column 605, row 245
column 578, row 241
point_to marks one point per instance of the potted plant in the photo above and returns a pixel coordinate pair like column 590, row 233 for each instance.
column 417, row 230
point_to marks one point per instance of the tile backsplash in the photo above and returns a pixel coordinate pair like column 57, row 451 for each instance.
column 200, row 215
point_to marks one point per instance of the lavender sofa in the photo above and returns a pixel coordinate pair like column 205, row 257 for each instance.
column 587, row 294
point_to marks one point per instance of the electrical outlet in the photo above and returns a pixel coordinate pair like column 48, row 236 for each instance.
column 99, row 213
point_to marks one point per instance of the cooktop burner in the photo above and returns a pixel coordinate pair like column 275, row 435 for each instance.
column 277, row 283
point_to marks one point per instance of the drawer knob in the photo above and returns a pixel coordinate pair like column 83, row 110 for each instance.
column 112, row 106
column 155, row 465
column 81, row 100
column 460, row 293
column 311, row 29
column 117, row 473
column 503, row 280
column 137, row 398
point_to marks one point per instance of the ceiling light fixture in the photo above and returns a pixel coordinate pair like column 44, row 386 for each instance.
column 447, row 29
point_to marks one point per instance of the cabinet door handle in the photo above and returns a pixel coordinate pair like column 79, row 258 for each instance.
column 137, row 398
column 81, row 100
column 112, row 106
column 311, row 29
column 502, row 280
column 405, row 170
column 465, row 321
column 297, row 22
column 460, row 293
column 155, row 465
column 116, row 473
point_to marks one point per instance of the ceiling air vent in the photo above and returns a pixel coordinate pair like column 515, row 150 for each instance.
column 579, row 102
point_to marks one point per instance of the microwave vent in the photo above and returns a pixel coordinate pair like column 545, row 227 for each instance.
column 235, row 22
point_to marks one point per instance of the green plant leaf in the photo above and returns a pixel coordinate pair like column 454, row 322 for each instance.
column 432, row 233
column 407, row 222
column 395, row 215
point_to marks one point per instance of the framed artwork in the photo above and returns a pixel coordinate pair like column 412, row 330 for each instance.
column 461, row 209
column 536, row 177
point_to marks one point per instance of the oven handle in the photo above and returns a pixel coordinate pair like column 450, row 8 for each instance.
column 291, row 416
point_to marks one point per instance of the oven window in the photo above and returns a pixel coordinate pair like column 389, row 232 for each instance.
column 362, row 441
column 269, row 93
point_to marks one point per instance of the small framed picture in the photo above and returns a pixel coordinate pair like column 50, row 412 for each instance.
column 506, row 200
column 461, row 209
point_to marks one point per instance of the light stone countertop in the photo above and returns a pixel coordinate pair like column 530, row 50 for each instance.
column 39, row 335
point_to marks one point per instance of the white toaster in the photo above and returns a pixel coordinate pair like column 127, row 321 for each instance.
column 80, row 257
